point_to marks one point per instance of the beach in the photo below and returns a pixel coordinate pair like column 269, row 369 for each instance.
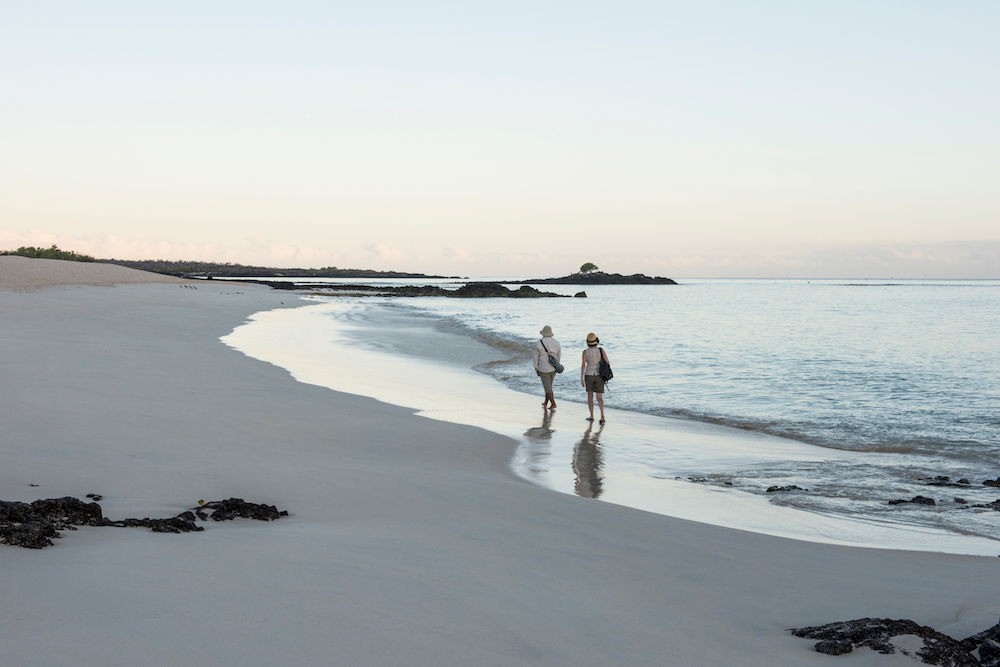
column 409, row 540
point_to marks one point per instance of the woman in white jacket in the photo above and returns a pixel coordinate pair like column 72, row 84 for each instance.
column 545, row 370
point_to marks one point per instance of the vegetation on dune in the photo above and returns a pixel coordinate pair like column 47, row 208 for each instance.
column 204, row 269
column 52, row 252
column 198, row 269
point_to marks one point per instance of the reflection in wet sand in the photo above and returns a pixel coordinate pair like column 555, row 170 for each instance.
column 587, row 462
column 543, row 432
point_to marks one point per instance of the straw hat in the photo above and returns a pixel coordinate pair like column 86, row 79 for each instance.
column 546, row 331
column 592, row 338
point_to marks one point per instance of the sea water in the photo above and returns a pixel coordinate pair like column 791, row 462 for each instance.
column 856, row 392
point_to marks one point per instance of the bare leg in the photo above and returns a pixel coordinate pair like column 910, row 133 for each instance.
column 600, row 402
column 590, row 404
column 551, row 398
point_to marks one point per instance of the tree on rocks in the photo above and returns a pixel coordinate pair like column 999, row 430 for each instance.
column 588, row 267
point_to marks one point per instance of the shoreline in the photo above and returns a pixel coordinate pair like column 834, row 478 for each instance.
column 409, row 540
column 360, row 349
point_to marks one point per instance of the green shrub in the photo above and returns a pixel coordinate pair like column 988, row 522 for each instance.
column 49, row 253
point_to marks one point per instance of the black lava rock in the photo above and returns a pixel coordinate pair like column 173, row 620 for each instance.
column 602, row 278
column 943, row 480
column 981, row 650
column 35, row 525
column 995, row 506
column 916, row 500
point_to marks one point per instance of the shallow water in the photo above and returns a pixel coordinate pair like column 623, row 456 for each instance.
column 681, row 467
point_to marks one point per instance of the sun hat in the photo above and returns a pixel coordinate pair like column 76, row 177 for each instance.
column 592, row 338
column 546, row 331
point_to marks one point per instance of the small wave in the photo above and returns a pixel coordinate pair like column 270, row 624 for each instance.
column 512, row 368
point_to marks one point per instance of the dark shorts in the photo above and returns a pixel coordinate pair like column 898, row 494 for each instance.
column 595, row 383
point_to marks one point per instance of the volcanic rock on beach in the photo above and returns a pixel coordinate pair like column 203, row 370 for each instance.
column 34, row 525
column 936, row 648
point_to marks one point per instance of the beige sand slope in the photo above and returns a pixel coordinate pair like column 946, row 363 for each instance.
column 409, row 541
column 28, row 273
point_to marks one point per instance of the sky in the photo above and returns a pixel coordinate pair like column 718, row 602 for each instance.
column 687, row 139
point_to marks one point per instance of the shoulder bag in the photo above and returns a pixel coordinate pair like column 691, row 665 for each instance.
column 552, row 360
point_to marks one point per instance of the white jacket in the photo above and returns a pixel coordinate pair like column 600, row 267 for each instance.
column 541, row 354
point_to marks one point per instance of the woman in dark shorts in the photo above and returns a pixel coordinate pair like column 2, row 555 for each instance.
column 589, row 379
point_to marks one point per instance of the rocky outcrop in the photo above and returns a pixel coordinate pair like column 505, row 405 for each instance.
column 601, row 278
column 783, row 489
column 480, row 290
column 473, row 290
column 35, row 525
column 942, row 480
column 995, row 505
column 916, row 500
column 884, row 635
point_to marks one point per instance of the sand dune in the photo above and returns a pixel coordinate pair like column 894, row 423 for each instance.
column 26, row 273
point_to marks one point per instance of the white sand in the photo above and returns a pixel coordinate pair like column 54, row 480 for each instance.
column 410, row 542
column 25, row 273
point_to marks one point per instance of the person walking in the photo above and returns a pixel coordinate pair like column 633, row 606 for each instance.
column 547, row 346
column 590, row 378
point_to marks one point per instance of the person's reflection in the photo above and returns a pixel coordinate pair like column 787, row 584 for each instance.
column 543, row 432
column 587, row 463
column 539, row 448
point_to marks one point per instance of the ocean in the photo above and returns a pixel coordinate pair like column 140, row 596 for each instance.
column 843, row 394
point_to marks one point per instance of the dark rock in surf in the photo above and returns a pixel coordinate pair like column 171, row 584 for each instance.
column 995, row 506
column 580, row 295
column 472, row 290
column 992, row 482
column 782, row 489
column 916, row 500
column 480, row 290
column 942, row 480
